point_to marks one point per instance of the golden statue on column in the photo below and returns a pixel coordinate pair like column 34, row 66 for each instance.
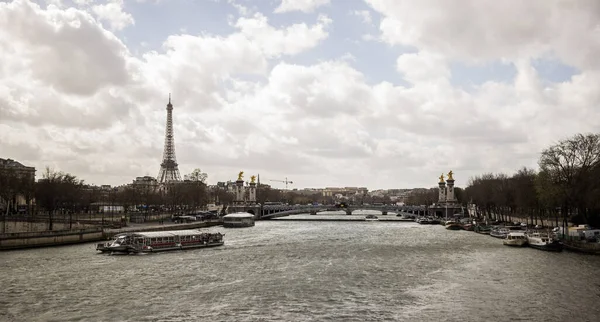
column 252, row 178
column 442, row 178
column 241, row 175
column 450, row 175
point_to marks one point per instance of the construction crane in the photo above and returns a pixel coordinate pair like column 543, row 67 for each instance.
column 284, row 181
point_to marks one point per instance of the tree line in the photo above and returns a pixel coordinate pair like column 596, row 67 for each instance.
column 63, row 193
column 566, row 187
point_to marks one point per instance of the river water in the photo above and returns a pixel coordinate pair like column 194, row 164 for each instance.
column 306, row 271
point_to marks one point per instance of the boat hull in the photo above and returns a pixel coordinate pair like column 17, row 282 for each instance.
column 515, row 243
column 549, row 247
column 454, row 227
column 579, row 247
column 178, row 247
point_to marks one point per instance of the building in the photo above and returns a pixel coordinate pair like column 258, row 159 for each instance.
column 14, row 179
column 145, row 183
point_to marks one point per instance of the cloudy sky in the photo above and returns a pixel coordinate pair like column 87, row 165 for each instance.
column 375, row 93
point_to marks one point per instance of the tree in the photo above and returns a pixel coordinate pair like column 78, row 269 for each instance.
column 196, row 191
column 8, row 187
column 197, row 176
column 58, row 191
column 569, row 165
column 268, row 194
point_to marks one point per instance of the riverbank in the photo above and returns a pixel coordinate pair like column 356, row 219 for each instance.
column 10, row 241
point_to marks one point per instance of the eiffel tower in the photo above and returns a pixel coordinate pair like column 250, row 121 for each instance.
column 168, row 168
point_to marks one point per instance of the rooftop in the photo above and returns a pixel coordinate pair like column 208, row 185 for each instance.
column 10, row 163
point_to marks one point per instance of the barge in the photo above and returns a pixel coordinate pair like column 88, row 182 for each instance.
column 157, row 241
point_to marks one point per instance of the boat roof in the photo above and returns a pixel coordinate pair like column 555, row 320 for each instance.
column 516, row 233
column 168, row 233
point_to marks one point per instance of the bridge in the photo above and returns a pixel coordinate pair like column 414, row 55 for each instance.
column 275, row 211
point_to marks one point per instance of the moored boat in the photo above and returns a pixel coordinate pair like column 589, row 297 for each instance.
column 517, row 239
column 482, row 229
column 450, row 225
column 371, row 218
column 582, row 246
column 469, row 227
column 543, row 242
column 156, row 241
column 499, row 232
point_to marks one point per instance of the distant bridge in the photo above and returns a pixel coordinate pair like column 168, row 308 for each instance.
column 275, row 211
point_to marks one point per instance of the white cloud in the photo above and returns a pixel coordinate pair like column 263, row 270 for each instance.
column 365, row 15
column 481, row 30
column 289, row 41
column 300, row 5
column 112, row 12
column 73, row 96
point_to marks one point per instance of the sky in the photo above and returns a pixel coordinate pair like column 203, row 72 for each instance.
column 372, row 93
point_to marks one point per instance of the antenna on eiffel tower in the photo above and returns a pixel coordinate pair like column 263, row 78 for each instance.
column 169, row 170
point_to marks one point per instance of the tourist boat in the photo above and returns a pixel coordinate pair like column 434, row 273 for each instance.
column 371, row 218
column 104, row 247
column 157, row 241
column 543, row 242
column 499, row 232
column 515, row 239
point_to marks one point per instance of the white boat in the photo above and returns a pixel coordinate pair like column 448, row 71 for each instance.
column 238, row 220
column 156, row 241
column 517, row 239
column 543, row 242
column 114, row 243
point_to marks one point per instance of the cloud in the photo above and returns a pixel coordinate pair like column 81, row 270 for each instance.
column 364, row 15
column 112, row 12
column 289, row 41
column 473, row 30
column 74, row 97
column 300, row 5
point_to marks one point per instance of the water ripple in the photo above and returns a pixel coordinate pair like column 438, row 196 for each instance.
column 306, row 271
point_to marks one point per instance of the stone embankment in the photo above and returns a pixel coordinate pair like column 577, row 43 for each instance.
column 49, row 238
column 31, row 239
column 545, row 222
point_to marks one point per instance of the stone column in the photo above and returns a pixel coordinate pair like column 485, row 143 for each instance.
column 450, row 194
column 442, row 194
column 252, row 192
column 239, row 191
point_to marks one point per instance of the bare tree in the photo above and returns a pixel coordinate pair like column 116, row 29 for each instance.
column 8, row 187
column 569, row 166
column 58, row 191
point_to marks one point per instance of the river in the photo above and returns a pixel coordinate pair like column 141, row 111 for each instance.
column 306, row 271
